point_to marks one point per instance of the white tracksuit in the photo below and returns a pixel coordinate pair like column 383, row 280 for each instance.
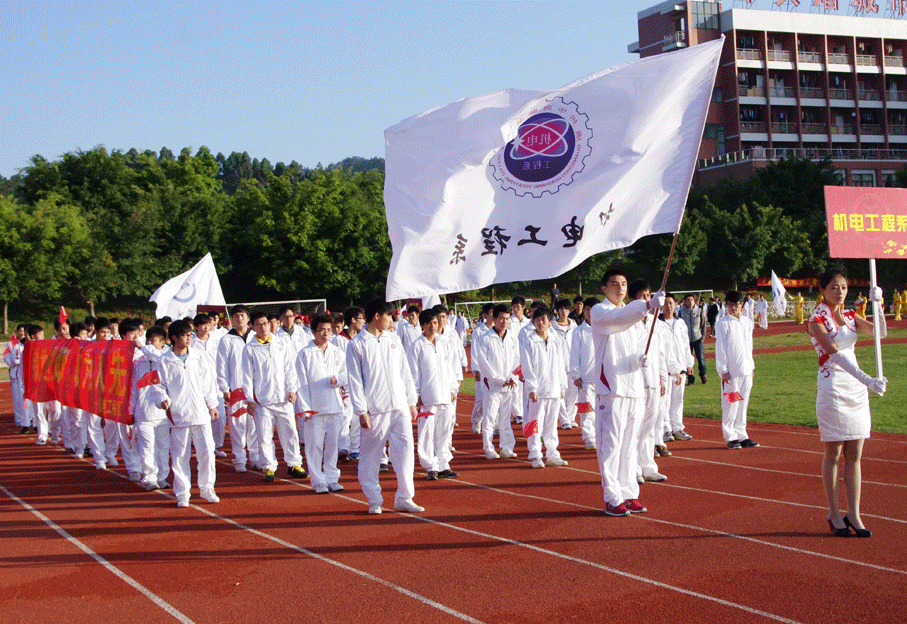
column 268, row 376
column 209, row 346
column 314, row 370
column 229, row 378
column 408, row 333
column 616, row 333
column 761, row 310
column 567, row 412
column 350, row 431
column 458, row 362
column 474, row 356
column 498, row 359
column 520, row 329
column 432, row 366
column 152, row 427
column 582, row 367
column 678, row 358
column 189, row 386
column 298, row 340
column 13, row 360
column 655, row 373
column 381, row 385
column 734, row 355
column 544, row 365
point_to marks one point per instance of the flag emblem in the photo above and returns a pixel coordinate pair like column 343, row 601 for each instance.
column 548, row 150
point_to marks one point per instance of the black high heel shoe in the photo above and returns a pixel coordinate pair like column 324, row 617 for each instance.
column 845, row 532
column 859, row 532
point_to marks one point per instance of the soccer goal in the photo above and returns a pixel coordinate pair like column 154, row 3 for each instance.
column 472, row 309
column 300, row 306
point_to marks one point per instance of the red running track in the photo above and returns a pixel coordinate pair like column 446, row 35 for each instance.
column 733, row 536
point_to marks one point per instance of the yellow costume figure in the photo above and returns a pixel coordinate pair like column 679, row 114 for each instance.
column 896, row 305
column 798, row 309
column 904, row 302
column 860, row 305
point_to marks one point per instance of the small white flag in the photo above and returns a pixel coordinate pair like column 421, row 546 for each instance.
column 180, row 297
column 522, row 185
column 779, row 294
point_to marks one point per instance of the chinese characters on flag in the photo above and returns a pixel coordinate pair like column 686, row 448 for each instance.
column 866, row 222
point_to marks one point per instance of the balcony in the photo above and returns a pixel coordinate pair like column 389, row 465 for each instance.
column 809, row 57
column 866, row 60
column 763, row 153
column 815, row 128
column 842, row 130
column 778, row 55
column 781, row 92
column 839, row 94
column 900, row 130
column 871, row 129
column 894, row 61
column 674, row 40
column 748, row 54
column 812, row 92
column 752, row 127
column 782, row 127
column 896, row 96
column 835, row 58
column 745, row 91
column 869, row 94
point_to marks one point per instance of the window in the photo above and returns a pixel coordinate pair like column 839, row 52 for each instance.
column 717, row 95
column 862, row 178
column 888, row 178
column 705, row 15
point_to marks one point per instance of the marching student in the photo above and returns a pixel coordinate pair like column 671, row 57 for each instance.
column 321, row 370
column 499, row 357
column 583, row 374
column 543, row 360
column 458, row 362
column 44, row 415
column 350, row 431
column 565, row 326
column 13, row 361
column 152, row 427
column 679, row 361
column 269, row 383
column 522, row 327
column 298, row 339
column 408, row 329
column 655, row 378
column 384, row 399
column 735, row 366
column 207, row 340
column 188, row 395
column 483, row 326
column 432, row 359
column 229, row 382
column 620, row 400
column 761, row 310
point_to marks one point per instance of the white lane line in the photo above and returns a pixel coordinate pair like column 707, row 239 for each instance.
column 783, row 472
column 88, row 551
column 814, row 433
column 698, row 489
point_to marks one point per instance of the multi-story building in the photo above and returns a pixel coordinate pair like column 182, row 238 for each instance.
column 811, row 82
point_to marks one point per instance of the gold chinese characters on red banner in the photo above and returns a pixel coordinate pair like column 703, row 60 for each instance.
column 95, row 376
column 865, row 222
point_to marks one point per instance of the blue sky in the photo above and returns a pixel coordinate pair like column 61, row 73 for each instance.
column 308, row 81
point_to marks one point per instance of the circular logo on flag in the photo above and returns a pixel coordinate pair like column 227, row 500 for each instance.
column 549, row 148
column 186, row 293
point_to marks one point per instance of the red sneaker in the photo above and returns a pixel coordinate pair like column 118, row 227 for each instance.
column 634, row 506
column 617, row 510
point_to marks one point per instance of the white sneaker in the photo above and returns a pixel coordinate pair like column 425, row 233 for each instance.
column 209, row 495
column 450, row 447
column 182, row 502
column 538, row 463
column 112, row 461
column 555, row 461
column 321, row 488
column 219, row 453
column 80, row 455
column 239, row 467
column 656, row 478
column 150, row 487
column 374, row 510
column 409, row 507
column 492, row 455
column 507, row 454
column 135, row 476
column 40, row 442
column 477, row 427
column 335, row 487
column 101, row 466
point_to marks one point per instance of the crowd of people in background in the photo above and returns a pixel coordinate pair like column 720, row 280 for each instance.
column 378, row 386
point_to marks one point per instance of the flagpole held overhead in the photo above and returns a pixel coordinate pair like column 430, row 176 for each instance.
column 180, row 296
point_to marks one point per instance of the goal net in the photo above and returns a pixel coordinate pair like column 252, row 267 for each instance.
column 304, row 307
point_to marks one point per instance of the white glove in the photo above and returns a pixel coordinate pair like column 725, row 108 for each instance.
column 851, row 367
column 657, row 300
column 643, row 360
column 879, row 385
column 875, row 293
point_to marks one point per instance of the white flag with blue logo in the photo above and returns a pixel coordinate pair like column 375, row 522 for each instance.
column 180, row 296
column 779, row 295
column 525, row 185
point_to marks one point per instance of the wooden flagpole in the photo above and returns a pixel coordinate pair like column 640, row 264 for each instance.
column 664, row 283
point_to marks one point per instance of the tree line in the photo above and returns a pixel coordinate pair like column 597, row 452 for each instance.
column 95, row 225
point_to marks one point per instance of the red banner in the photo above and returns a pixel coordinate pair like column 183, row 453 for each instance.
column 95, row 376
column 866, row 222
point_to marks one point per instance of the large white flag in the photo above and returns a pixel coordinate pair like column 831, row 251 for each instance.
column 180, row 296
column 779, row 294
column 522, row 185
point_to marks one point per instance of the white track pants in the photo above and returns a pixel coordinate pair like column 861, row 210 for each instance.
column 18, row 391
column 321, row 434
column 154, row 448
column 434, row 450
column 496, row 415
column 617, row 422
column 181, row 441
column 242, row 436
column 395, row 428
column 281, row 416
column 733, row 415
column 545, row 411
column 674, row 396
column 648, row 435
